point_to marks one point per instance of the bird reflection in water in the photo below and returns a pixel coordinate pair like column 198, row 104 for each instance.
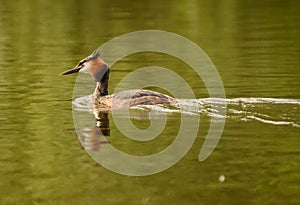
column 92, row 138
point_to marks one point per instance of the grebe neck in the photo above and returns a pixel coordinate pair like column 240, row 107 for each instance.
column 102, row 86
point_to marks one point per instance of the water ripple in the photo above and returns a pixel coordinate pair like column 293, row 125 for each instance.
column 274, row 111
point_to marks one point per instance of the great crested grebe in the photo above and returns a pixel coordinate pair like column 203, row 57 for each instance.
column 100, row 71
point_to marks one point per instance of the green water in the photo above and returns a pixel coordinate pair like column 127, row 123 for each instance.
column 255, row 47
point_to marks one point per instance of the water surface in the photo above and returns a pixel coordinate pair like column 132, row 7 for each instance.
column 255, row 47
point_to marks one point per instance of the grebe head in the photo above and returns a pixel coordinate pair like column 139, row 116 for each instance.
column 91, row 64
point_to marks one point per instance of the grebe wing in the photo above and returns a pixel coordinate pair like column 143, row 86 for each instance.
column 131, row 94
column 143, row 97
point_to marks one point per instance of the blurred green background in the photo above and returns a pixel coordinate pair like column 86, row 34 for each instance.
column 255, row 47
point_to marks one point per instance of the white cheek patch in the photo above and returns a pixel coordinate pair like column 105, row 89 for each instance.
column 86, row 68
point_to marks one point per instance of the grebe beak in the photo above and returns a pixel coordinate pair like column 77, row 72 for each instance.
column 73, row 70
